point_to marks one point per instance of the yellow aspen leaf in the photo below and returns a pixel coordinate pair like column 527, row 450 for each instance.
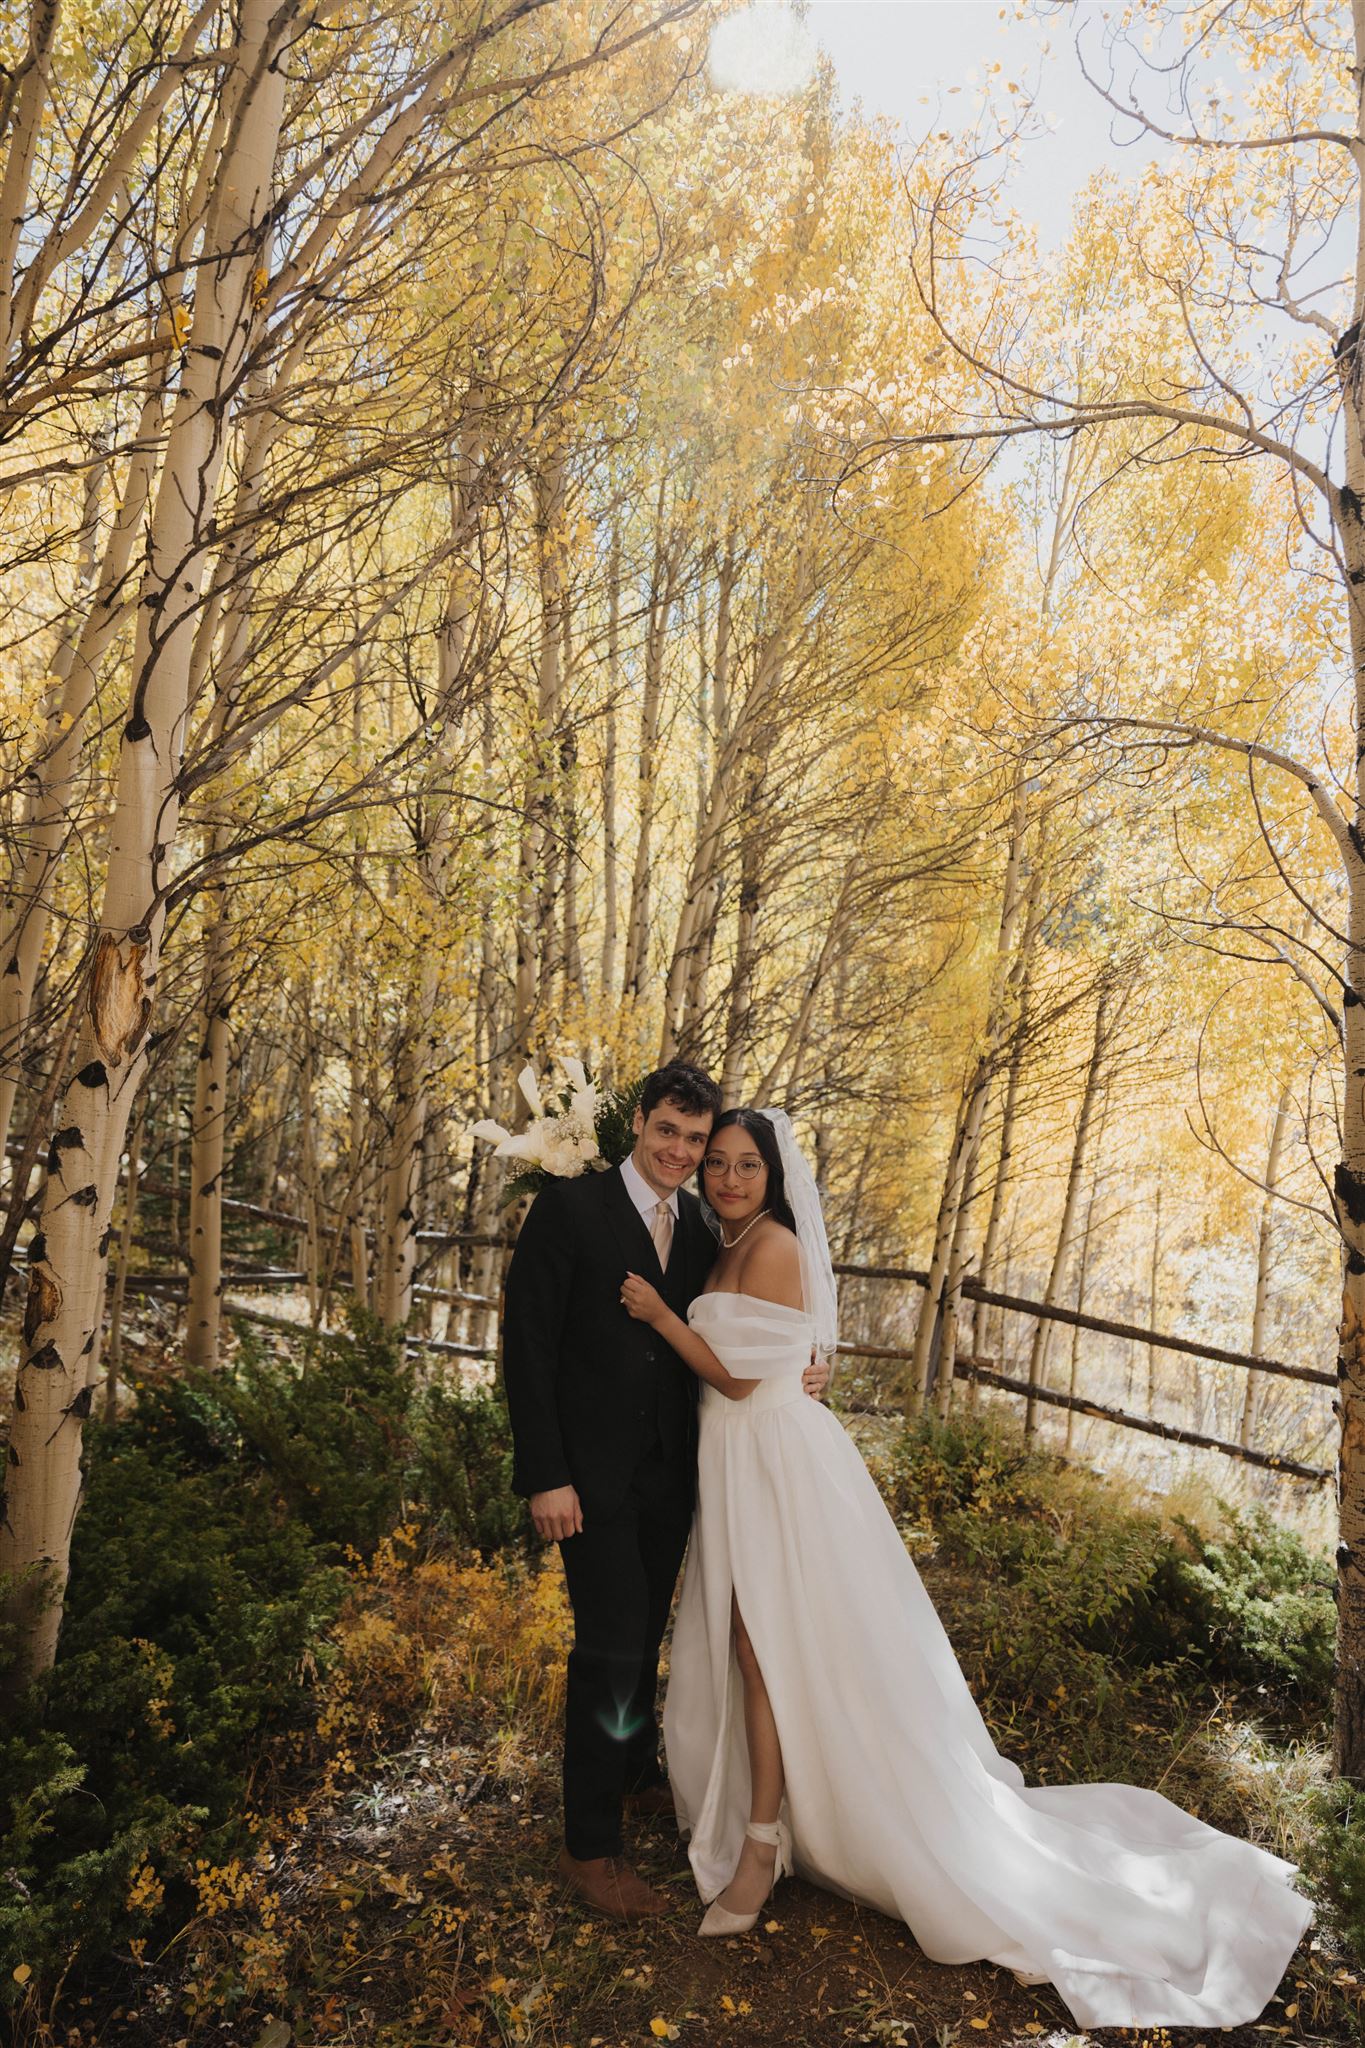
column 659, row 2029
column 980, row 2023
column 180, row 324
column 22, row 1972
column 1291, row 2011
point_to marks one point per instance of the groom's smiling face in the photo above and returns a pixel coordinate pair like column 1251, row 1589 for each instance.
column 669, row 1144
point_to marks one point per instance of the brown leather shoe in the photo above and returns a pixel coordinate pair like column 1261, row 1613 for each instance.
column 651, row 1802
column 610, row 1886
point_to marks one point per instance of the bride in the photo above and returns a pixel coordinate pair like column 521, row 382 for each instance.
column 818, row 1721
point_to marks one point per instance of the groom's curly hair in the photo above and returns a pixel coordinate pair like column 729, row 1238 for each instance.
column 686, row 1087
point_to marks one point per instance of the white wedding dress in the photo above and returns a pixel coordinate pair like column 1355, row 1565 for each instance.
column 896, row 1796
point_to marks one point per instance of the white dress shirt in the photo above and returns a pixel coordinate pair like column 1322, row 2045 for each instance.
column 643, row 1195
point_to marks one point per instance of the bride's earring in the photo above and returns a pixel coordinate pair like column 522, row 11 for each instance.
column 719, row 1919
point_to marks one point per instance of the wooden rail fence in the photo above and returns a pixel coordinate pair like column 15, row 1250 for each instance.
column 983, row 1371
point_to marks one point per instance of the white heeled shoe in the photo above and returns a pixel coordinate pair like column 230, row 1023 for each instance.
column 719, row 1919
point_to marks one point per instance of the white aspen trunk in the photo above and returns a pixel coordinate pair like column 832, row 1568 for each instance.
column 1154, row 1300
column 208, row 1135
column 571, row 950
column 309, row 1191
column 610, row 853
column 961, row 1167
column 793, row 1046
column 684, row 993
column 208, row 1129
column 66, row 1280
column 418, row 1051
column 1348, row 1738
column 114, row 1348
column 398, row 1232
column 1066, row 1230
column 945, row 1224
column 535, row 892
column 739, row 1024
column 1264, row 1239
column 952, row 1294
column 355, row 1203
column 651, row 707
column 51, row 804
column 1082, row 1274
column 24, row 104
column 1018, row 1043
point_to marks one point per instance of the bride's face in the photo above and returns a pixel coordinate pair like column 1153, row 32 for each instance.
column 734, row 1175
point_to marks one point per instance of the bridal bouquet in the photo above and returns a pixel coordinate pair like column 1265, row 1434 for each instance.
column 580, row 1128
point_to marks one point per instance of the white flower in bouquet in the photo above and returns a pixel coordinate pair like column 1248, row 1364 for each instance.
column 560, row 1140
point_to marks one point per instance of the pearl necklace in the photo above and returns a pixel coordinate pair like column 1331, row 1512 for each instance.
column 730, row 1242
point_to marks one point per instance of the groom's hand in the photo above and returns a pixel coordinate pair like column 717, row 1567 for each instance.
column 816, row 1377
column 556, row 1514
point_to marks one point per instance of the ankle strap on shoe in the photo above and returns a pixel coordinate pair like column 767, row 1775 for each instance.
column 763, row 1831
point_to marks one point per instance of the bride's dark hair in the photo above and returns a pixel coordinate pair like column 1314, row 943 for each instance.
column 765, row 1142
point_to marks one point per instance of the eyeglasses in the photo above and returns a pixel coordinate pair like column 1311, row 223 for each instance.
column 715, row 1164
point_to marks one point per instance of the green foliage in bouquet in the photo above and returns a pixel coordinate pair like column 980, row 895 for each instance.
column 615, row 1137
column 611, row 1125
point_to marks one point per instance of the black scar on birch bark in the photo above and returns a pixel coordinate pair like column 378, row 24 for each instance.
column 105, row 1236
column 1350, row 1192
column 80, row 1407
column 93, row 1075
column 47, row 1359
column 69, row 1139
column 37, row 1248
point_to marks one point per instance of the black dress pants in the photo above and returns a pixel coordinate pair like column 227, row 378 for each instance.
column 621, row 1570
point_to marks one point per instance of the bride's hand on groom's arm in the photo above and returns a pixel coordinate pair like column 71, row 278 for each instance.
column 556, row 1514
column 816, row 1376
column 642, row 1301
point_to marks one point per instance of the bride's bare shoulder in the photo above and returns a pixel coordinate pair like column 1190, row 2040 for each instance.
column 773, row 1267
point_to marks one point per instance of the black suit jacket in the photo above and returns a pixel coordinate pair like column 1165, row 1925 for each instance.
column 587, row 1385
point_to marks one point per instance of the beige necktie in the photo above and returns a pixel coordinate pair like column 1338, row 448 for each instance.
column 661, row 1230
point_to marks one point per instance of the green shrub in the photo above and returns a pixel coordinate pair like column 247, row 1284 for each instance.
column 462, row 1469
column 1254, row 1604
column 207, row 1569
column 194, row 1607
column 1251, row 1604
column 932, row 1467
column 356, row 1443
column 329, row 1422
column 1334, row 1861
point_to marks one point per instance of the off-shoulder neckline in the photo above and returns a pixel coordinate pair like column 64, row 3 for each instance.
column 740, row 1294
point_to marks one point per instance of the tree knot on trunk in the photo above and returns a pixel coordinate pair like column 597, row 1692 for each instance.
column 42, row 1304
column 119, row 1002
column 1350, row 1192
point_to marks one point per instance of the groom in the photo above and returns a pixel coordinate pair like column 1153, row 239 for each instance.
column 604, row 1435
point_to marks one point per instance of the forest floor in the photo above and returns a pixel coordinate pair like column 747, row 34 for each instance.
column 415, row 1900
